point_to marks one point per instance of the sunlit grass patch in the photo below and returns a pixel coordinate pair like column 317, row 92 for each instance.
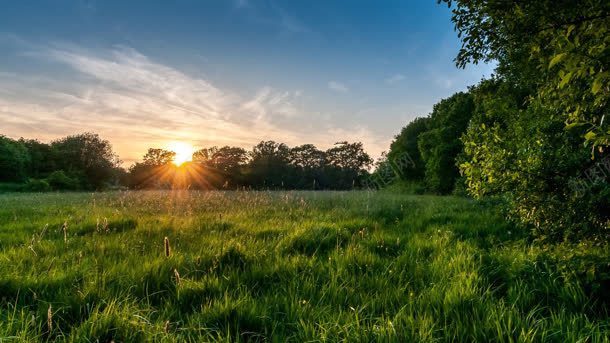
column 283, row 266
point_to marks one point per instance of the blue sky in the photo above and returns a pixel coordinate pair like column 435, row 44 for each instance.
column 145, row 73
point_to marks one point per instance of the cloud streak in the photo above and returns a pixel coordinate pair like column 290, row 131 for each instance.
column 137, row 103
column 394, row 79
column 337, row 87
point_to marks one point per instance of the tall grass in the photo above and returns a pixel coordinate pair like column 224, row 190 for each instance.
column 279, row 266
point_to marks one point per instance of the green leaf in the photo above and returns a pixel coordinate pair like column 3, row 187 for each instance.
column 566, row 78
column 556, row 59
column 597, row 85
column 573, row 125
column 590, row 135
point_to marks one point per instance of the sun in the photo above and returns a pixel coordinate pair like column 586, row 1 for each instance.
column 184, row 152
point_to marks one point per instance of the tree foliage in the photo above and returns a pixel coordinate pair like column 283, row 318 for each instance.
column 14, row 160
column 406, row 144
column 87, row 157
column 269, row 165
column 83, row 161
column 432, row 144
column 565, row 44
column 539, row 126
column 440, row 144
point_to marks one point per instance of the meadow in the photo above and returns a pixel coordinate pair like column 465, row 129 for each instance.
column 355, row 266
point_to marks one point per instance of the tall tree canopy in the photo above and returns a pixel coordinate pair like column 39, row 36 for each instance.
column 14, row 160
column 405, row 145
column 87, row 157
column 550, row 95
column 561, row 47
column 440, row 144
column 158, row 157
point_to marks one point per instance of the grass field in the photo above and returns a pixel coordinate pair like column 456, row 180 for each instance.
column 279, row 266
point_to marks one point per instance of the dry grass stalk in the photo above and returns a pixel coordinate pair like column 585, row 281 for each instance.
column 177, row 275
column 168, row 250
column 65, row 230
column 50, row 318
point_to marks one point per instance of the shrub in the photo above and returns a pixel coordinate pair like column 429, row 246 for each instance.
column 58, row 180
column 36, row 185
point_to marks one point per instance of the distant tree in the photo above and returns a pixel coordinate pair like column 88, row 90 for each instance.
column 269, row 165
column 42, row 162
column 349, row 156
column 347, row 165
column 204, row 155
column 308, row 164
column 155, row 171
column 87, row 157
column 440, row 145
column 158, row 157
column 58, row 180
column 222, row 167
column 405, row 146
column 14, row 160
column 229, row 159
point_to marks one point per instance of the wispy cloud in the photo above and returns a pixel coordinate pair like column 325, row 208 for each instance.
column 394, row 79
column 272, row 14
column 290, row 22
column 241, row 3
column 337, row 87
column 138, row 103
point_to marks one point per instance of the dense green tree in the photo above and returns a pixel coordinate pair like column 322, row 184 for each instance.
column 86, row 157
column 440, row 144
column 42, row 162
column 14, row 160
column 523, row 153
column 229, row 159
column 347, row 165
column 550, row 95
column 307, row 156
column 308, row 164
column 204, row 155
column 404, row 156
column 58, row 180
column 561, row 47
column 221, row 167
column 269, row 165
column 155, row 171
column 158, row 157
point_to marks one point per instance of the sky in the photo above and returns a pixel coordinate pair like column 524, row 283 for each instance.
column 148, row 73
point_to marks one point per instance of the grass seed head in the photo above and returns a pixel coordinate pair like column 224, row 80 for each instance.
column 65, row 230
column 50, row 318
column 168, row 250
column 177, row 275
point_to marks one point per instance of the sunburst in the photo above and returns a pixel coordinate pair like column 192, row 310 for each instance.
column 183, row 150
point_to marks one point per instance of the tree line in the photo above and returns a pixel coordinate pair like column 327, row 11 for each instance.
column 536, row 133
column 269, row 165
column 87, row 162
column 78, row 162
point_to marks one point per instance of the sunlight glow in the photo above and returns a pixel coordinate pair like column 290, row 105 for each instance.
column 184, row 152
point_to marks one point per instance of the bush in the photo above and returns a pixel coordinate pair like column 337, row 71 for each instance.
column 36, row 185
column 58, row 180
column 407, row 187
column 6, row 187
